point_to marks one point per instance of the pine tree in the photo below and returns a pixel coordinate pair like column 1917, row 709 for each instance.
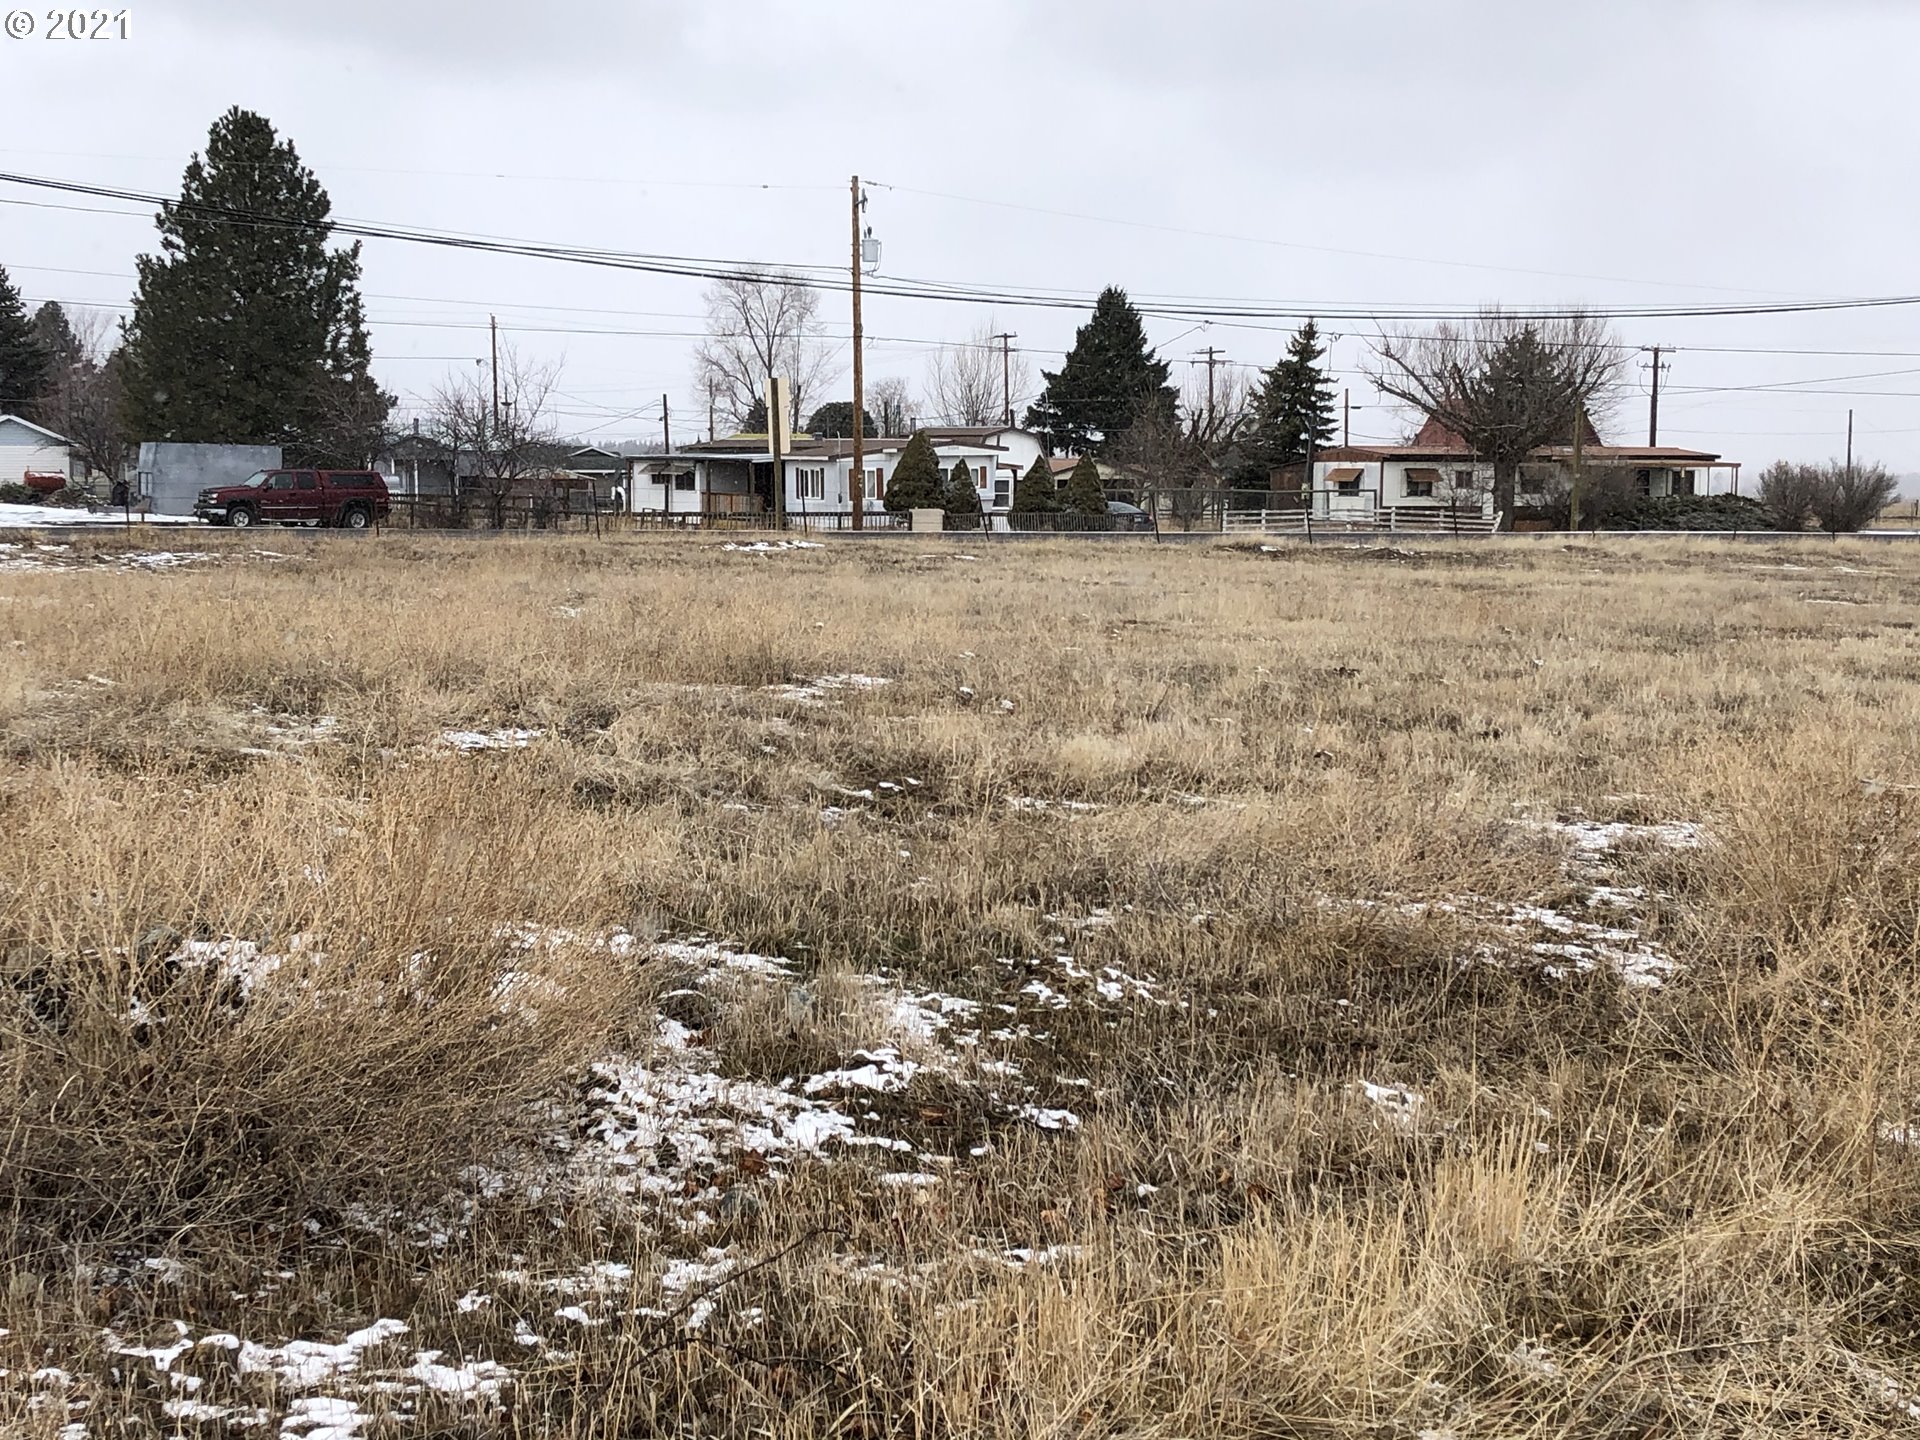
column 917, row 483
column 1295, row 399
column 57, row 337
column 1084, row 494
column 25, row 366
column 834, row 421
column 1035, row 493
column 249, row 333
column 962, row 498
column 1110, row 381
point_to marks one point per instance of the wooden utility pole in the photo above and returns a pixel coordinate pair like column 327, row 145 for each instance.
column 666, row 426
column 1213, row 359
column 1573, row 495
column 493, row 326
column 1346, row 418
column 857, row 491
column 1653, row 410
column 1849, row 447
column 1006, row 375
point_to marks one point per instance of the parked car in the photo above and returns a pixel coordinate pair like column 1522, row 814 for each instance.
column 350, row 499
column 1128, row 517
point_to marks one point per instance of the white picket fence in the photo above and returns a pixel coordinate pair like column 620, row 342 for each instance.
column 1389, row 519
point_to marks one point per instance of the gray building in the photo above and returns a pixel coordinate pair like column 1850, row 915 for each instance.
column 172, row 476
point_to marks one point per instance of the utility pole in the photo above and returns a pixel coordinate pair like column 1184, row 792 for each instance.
column 666, row 427
column 1006, row 376
column 493, row 326
column 1573, row 495
column 857, row 491
column 1213, row 359
column 1653, row 409
column 1849, row 447
column 1346, row 419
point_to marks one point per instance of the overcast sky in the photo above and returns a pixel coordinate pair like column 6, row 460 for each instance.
column 1697, row 152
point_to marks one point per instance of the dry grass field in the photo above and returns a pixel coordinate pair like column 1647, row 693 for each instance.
column 602, row 988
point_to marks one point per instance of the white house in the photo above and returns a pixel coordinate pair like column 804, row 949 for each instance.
column 735, row 476
column 1439, row 470
column 30, row 449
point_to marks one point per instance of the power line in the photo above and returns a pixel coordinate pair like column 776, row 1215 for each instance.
column 907, row 288
column 1315, row 249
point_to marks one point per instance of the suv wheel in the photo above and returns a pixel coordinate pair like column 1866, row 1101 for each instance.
column 356, row 518
column 240, row 517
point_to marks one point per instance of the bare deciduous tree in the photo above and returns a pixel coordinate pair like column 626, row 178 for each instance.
column 1215, row 417
column 83, row 396
column 497, row 446
column 968, row 382
column 1504, row 384
column 890, row 403
column 1168, row 468
column 760, row 325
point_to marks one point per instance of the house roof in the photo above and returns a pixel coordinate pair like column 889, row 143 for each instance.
column 1597, row 454
column 1436, row 435
column 37, row 429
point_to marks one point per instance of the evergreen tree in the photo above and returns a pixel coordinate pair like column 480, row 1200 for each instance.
column 917, row 483
column 26, row 367
column 1084, row 493
column 250, row 333
column 57, row 337
column 835, row 422
column 1111, row 380
column 962, row 498
column 1034, row 493
column 1295, row 399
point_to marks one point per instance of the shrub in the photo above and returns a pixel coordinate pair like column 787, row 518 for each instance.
column 1034, row 493
column 1788, row 491
column 1084, row 494
column 1850, row 496
column 963, row 500
column 916, row 482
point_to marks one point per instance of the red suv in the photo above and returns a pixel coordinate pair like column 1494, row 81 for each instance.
column 351, row 499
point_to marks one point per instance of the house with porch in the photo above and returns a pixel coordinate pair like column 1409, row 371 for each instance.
column 735, row 475
column 1437, row 470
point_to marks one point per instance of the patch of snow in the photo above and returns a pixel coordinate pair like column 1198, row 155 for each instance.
column 1024, row 1256
column 45, row 517
column 326, row 1418
column 1047, row 1119
column 822, row 688
column 1401, row 1108
column 472, row 741
column 771, row 547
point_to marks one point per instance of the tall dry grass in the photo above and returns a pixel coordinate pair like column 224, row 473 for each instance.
column 1615, row 1211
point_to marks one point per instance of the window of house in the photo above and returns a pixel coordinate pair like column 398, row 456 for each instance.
column 877, row 485
column 1643, row 479
column 810, row 482
column 683, row 481
column 1683, row 482
column 1463, row 480
column 1421, row 483
column 662, row 478
column 1345, row 480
